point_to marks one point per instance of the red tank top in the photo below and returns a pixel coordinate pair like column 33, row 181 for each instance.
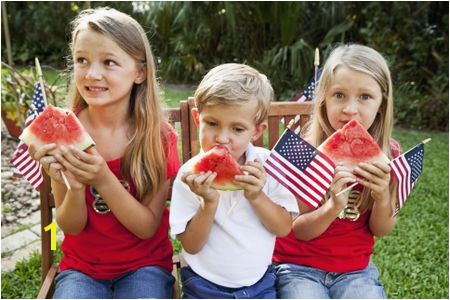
column 344, row 247
column 105, row 249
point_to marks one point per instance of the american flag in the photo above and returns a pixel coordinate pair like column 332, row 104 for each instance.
column 301, row 168
column 407, row 169
column 307, row 93
column 25, row 165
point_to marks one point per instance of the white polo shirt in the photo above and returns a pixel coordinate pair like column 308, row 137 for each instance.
column 239, row 248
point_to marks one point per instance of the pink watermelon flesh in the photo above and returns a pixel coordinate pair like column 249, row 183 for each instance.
column 351, row 145
column 59, row 126
column 219, row 160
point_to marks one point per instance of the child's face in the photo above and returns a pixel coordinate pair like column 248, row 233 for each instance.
column 352, row 95
column 230, row 126
column 104, row 73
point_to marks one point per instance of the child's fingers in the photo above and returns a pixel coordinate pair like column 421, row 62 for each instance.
column 37, row 154
column 203, row 178
column 341, row 184
column 373, row 173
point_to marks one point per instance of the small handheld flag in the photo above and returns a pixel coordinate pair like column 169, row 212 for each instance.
column 407, row 169
column 307, row 93
column 21, row 159
column 301, row 168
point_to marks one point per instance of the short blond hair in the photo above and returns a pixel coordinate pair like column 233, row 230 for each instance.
column 235, row 84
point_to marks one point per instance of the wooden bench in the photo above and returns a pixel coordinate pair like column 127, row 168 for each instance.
column 181, row 119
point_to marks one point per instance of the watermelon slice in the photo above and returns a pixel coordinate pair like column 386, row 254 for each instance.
column 219, row 160
column 59, row 126
column 351, row 145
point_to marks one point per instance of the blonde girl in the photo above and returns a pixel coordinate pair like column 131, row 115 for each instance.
column 327, row 254
column 114, row 216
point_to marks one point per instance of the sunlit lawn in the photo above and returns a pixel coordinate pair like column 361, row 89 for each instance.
column 412, row 260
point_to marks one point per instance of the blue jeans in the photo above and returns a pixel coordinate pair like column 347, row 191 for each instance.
column 195, row 286
column 302, row 282
column 146, row 282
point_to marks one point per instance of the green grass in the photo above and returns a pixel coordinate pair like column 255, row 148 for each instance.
column 412, row 260
column 173, row 97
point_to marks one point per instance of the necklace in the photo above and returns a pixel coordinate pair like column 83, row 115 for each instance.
column 350, row 210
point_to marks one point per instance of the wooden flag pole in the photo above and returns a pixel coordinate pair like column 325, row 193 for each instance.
column 316, row 66
column 354, row 184
column 41, row 80
column 316, row 73
column 44, row 97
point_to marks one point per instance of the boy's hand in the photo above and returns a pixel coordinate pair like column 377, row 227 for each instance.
column 376, row 176
column 200, row 184
column 254, row 181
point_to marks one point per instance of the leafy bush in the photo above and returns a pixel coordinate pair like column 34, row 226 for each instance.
column 279, row 38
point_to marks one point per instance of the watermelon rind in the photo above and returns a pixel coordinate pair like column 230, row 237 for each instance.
column 59, row 126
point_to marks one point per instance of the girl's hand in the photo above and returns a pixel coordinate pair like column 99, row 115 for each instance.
column 254, row 181
column 200, row 184
column 87, row 167
column 51, row 166
column 342, row 177
column 376, row 176
column 48, row 162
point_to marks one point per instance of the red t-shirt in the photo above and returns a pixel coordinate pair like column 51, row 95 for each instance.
column 344, row 247
column 105, row 249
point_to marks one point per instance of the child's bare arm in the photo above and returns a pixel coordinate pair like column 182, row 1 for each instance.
column 90, row 168
column 71, row 214
column 274, row 217
column 197, row 230
column 376, row 176
column 71, row 210
column 313, row 222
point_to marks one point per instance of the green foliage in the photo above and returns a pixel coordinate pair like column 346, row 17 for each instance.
column 25, row 280
column 172, row 97
column 413, row 259
column 277, row 37
column 18, row 89
column 417, row 49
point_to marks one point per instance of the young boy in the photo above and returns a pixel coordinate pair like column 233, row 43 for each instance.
column 228, row 236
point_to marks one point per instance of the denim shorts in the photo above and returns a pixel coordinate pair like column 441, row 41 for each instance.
column 197, row 287
column 146, row 282
column 303, row 282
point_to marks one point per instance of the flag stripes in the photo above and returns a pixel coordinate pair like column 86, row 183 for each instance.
column 24, row 165
column 27, row 167
column 299, row 167
column 407, row 169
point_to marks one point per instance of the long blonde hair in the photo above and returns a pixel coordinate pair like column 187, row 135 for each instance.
column 368, row 61
column 144, row 159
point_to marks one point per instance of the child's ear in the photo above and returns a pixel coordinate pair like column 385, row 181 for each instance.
column 259, row 131
column 196, row 115
column 141, row 75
